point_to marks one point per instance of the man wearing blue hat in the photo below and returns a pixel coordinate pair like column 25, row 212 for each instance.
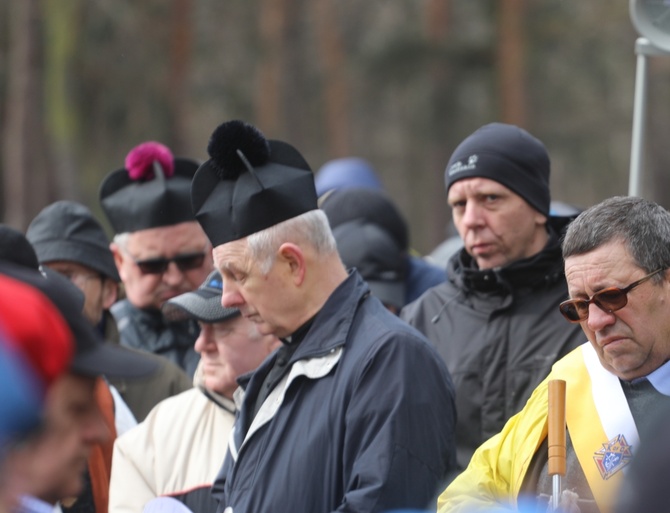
column 495, row 321
column 355, row 410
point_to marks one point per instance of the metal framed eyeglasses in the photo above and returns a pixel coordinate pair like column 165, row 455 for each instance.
column 608, row 300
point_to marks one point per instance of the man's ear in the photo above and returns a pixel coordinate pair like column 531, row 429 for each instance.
column 110, row 293
column 540, row 219
column 294, row 259
column 118, row 255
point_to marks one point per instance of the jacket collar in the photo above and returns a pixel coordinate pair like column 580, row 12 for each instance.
column 330, row 326
column 541, row 269
column 332, row 323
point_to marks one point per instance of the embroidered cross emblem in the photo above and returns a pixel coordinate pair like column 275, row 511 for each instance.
column 613, row 456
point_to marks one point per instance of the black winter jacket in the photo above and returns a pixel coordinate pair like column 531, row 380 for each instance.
column 363, row 422
column 499, row 332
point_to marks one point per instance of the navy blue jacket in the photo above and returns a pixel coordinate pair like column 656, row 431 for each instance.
column 363, row 422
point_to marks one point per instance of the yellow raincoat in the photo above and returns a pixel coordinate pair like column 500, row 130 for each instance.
column 492, row 481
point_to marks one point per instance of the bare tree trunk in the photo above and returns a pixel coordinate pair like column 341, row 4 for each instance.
column 436, row 215
column 336, row 87
column 511, row 61
column 20, row 107
column 61, row 21
column 180, row 63
column 272, row 66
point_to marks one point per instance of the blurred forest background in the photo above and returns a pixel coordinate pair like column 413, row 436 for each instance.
column 397, row 82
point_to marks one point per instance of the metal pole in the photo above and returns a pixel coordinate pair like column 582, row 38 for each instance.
column 639, row 105
column 643, row 48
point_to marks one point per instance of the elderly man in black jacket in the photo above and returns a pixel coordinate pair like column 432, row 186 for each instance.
column 355, row 411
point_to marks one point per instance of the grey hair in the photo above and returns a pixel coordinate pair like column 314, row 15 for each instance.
column 642, row 225
column 121, row 239
column 309, row 228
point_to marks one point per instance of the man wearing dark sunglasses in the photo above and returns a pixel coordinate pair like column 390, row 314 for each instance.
column 67, row 238
column 159, row 249
column 617, row 266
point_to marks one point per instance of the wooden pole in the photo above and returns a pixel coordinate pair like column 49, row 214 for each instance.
column 557, row 450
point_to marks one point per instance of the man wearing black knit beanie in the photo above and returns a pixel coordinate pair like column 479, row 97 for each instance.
column 495, row 321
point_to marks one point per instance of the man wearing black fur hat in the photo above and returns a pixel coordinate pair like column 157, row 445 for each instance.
column 159, row 249
column 355, row 410
column 495, row 321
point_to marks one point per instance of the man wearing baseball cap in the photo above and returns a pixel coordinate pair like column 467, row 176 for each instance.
column 495, row 321
column 178, row 449
column 355, row 410
column 67, row 238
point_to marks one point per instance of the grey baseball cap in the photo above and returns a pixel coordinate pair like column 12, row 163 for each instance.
column 202, row 304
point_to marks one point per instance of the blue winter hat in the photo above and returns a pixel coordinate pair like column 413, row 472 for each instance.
column 344, row 173
column 510, row 156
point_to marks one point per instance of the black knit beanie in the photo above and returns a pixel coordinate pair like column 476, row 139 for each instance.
column 509, row 155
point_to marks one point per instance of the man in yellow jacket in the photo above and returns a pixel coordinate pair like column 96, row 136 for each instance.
column 617, row 256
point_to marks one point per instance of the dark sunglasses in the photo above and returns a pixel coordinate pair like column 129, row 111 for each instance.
column 185, row 262
column 608, row 300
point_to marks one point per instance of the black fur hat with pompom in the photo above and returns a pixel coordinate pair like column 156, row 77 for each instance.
column 249, row 184
column 152, row 190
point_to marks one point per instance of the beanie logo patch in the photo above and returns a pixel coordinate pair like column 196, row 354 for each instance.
column 459, row 167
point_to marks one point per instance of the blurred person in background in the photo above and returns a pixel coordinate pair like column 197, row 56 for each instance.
column 54, row 462
column 159, row 249
column 346, row 173
column 374, row 254
column 376, row 207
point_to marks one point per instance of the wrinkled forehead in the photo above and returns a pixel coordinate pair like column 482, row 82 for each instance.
column 605, row 266
column 178, row 237
column 477, row 185
column 235, row 253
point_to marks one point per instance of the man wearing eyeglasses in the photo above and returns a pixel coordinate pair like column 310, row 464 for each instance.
column 617, row 260
column 159, row 249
